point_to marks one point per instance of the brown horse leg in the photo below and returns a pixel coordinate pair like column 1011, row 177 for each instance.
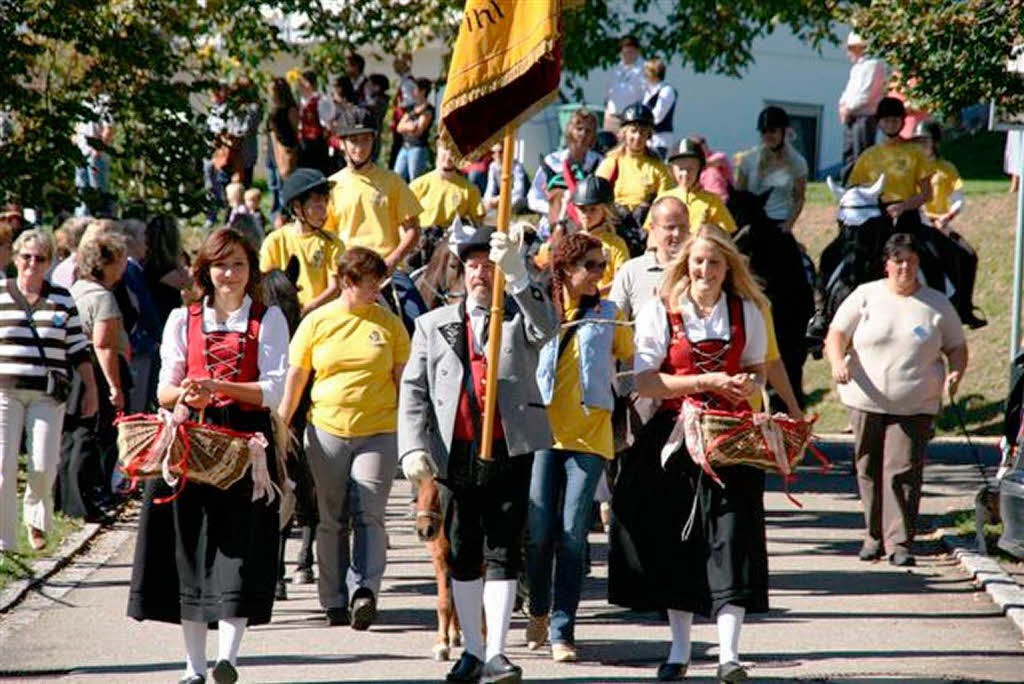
column 440, row 649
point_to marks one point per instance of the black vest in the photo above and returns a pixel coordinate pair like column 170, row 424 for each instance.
column 665, row 125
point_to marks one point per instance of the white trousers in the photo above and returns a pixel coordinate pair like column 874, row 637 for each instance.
column 42, row 419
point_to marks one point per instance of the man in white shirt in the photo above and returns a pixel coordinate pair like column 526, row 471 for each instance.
column 627, row 83
column 857, row 104
column 660, row 98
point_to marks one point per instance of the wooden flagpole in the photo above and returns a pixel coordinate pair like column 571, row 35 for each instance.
column 497, row 300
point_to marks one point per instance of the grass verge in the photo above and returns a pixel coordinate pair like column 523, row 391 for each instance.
column 18, row 565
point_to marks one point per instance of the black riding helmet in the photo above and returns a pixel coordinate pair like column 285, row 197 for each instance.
column 301, row 183
column 639, row 115
column 360, row 121
column 772, row 117
column 592, row 190
column 688, row 148
column 890, row 106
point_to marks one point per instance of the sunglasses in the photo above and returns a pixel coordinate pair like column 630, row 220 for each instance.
column 36, row 258
column 595, row 266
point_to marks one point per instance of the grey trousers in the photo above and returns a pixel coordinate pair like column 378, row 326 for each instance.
column 353, row 478
column 889, row 453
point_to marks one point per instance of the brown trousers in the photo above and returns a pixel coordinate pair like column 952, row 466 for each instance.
column 889, row 454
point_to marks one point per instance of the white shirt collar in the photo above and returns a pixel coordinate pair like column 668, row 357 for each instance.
column 237, row 320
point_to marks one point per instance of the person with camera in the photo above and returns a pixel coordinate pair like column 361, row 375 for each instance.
column 34, row 384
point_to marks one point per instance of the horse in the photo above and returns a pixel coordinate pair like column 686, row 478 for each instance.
column 854, row 257
column 778, row 260
column 430, row 531
column 440, row 281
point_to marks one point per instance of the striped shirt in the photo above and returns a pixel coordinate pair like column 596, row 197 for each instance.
column 60, row 332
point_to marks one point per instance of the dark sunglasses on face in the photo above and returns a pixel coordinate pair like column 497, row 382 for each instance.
column 595, row 266
column 37, row 258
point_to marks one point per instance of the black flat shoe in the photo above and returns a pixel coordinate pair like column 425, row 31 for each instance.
column 281, row 593
column 192, row 679
column 501, row 670
column 224, row 673
column 902, row 559
column 337, row 616
column 870, row 551
column 672, row 672
column 364, row 609
column 732, row 672
column 466, row 669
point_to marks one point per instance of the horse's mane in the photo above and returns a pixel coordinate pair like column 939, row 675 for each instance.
column 279, row 290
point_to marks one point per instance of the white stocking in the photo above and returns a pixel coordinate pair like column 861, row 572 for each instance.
column 469, row 601
column 679, row 621
column 730, row 619
column 195, row 647
column 230, row 633
column 499, row 599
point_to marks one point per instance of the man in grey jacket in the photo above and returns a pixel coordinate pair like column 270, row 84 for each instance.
column 440, row 424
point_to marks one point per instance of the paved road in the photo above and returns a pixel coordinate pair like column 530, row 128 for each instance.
column 833, row 617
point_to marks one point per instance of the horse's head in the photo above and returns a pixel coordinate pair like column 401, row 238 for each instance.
column 859, row 203
column 747, row 210
column 278, row 288
column 429, row 518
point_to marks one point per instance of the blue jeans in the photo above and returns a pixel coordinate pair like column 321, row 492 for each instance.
column 95, row 175
column 561, row 498
column 412, row 162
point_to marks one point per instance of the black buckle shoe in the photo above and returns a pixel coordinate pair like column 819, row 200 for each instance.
column 364, row 609
column 732, row 672
column 466, row 669
column 192, row 679
column 672, row 672
column 224, row 673
column 501, row 670
column 870, row 550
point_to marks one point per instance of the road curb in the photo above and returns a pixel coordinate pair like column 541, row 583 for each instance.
column 1000, row 587
column 44, row 567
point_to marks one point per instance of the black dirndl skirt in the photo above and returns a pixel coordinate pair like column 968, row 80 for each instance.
column 724, row 558
column 211, row 553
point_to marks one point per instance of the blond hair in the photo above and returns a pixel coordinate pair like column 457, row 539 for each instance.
column 655, row 68
column 739, row 280
column 252, row 193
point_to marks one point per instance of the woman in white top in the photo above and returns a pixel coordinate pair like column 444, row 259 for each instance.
column 210, row 554
column 702, row 341
column 894, row 345
column 775, row 166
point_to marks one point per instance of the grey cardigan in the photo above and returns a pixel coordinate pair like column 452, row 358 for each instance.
column 433, row 378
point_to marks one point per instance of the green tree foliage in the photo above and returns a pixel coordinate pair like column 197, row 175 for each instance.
column 949, row 53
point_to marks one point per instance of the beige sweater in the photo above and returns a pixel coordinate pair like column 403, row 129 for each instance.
column 896, row 351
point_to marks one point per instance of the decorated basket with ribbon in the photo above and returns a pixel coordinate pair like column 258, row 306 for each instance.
column 179, row 450
column 717, row 438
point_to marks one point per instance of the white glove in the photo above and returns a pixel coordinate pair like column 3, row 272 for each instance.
column 509, row 253
column 418, row 465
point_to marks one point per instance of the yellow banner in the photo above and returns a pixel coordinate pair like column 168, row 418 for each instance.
column 505, row 66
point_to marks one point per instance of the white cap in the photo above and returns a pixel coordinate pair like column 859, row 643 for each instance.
column 855, row 38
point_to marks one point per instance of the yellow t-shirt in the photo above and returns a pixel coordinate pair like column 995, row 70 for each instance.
column 639, row 179
column 614, row 247
column 945, row 181
column 576, row 427
column 903, row 163
column 443, row 199
column 318, row 253
column 701, row 207
column 353, row 354
column 367, row 208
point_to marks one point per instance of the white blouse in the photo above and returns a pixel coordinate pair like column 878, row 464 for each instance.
column 652, row 331
column 273, row 341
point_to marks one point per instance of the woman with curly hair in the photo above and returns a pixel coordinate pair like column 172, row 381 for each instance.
column 574, row 373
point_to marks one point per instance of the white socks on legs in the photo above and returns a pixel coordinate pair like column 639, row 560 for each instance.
column 729, row 619
column 679, row 621
column 469, row 599
column 499, row 599
column 195, row 647
column 230, row 632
